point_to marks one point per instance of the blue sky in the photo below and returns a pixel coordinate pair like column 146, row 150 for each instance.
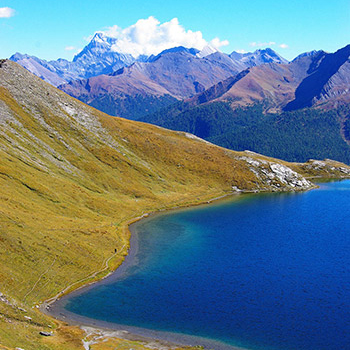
column 47, row 28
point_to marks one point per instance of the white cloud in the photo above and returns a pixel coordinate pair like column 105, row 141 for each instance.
column 267, row 44
column 255, row 44
column 241, row 51
column 149, row 36
column 6, row 12
column 216, row 42
column 69, row 48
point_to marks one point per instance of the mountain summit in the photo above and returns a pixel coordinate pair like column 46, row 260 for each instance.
column 258, row 57
column 98, row 57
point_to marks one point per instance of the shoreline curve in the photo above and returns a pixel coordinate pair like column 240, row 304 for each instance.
column 55, row 306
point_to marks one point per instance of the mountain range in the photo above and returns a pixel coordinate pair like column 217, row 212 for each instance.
column 314, row 78
column 99, row 57
column 176, row 73
column 122, row 85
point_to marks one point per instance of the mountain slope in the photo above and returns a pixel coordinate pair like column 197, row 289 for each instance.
column 71, row 178
column 127, row 93
column 40, row 68
column 329, row 77
column 313, row 78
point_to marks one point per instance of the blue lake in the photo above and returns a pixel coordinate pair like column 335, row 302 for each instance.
column 267, row 271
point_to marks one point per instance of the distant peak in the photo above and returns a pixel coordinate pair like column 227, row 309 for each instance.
column 18, row 56
column 236, row 55
column 259, row 56
column 309, row 54
column 99, row 36
column 180, row 49
column 267, row 51
column 177, row 49
column 102, row 39
column 100, row 44
column 206, row 51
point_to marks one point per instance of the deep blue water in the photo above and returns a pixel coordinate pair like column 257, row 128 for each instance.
column 265, row 272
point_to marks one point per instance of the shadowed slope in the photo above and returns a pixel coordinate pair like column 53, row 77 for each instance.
column 314, row 86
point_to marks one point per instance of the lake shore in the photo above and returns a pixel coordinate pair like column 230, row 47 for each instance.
column 55, row 307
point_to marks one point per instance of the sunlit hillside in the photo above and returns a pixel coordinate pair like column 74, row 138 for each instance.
column 72, row 178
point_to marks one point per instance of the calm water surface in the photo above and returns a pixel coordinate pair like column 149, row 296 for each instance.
column 265, row 272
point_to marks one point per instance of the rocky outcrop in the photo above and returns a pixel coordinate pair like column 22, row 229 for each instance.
column 276, row 176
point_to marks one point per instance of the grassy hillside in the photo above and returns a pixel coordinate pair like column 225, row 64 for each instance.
column 72, row 178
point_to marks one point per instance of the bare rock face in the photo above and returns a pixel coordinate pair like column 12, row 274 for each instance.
column 3, row 299
column 276, row 176
column 288, row 177
column 327, row 79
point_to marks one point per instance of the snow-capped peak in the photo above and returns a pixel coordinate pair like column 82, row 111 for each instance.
column 99, row 37
column 206, row 51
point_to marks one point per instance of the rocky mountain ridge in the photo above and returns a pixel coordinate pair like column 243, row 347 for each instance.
column 99, row 57
column 266, row 78
column 178, row 73
column 314, row 78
